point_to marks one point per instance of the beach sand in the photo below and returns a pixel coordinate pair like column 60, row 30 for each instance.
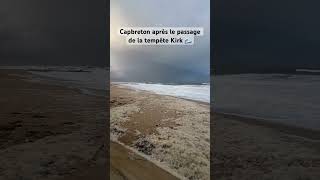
column 172, row 133
column 50, row 132
column 246, row 149
column 128, row 165
column 53, row 132
column 243, row 148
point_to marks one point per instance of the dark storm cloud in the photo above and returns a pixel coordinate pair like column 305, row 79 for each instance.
column 61, row 32
column 268, row 34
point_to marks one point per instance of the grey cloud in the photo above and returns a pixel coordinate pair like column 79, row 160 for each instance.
column 184, row 64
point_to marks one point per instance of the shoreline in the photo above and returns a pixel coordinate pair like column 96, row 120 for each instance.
column 313, row 134
column 251, row 147
column 283, row 127
column 85, row 159
column 171, row 131
column 243, row 147
column 119, row 84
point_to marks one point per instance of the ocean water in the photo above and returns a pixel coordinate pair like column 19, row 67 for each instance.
column 86, row 78
column 199, row 92
column 288, row 99
column 90, row 79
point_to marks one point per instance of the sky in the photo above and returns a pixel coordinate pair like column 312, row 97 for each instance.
column 59, row 32
column 248, row 36
column 175, row 64
column 265, row 35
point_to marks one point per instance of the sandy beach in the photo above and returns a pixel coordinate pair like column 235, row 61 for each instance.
column 50, row 132
column 172, row 133
column 245, row 148
column 54, row 132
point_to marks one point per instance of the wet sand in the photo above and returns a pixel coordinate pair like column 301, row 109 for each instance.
column 49, row 132
column 246, row 149
column 53, row 132
column 173, row 133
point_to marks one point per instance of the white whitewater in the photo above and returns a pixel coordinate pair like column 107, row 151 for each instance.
column 192, row 92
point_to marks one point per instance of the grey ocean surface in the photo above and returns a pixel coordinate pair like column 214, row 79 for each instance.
column 282, row 98
column 288, row 99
